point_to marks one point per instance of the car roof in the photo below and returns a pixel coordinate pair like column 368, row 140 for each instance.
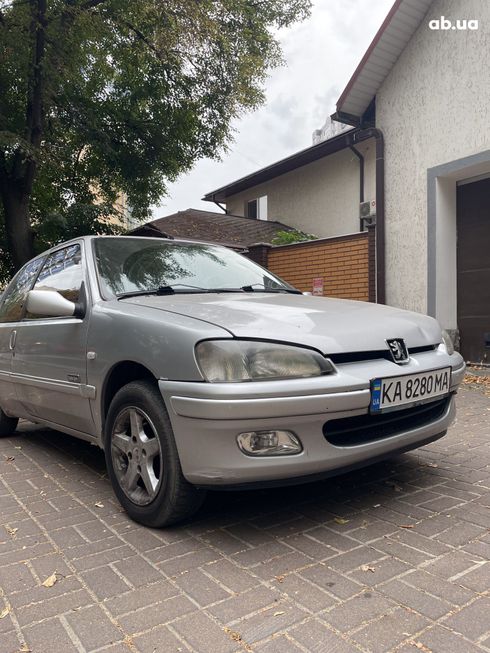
column 72, row 241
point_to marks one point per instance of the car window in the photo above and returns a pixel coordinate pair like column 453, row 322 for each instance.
column 62, row 271
column 136, row 264
column 14, row 297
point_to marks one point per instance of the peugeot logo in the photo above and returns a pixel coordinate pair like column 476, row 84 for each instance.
column 398, row 350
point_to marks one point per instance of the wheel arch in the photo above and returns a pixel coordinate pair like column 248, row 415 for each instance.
column 119, row 375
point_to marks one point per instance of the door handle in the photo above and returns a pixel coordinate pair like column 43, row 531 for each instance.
column 13, row 338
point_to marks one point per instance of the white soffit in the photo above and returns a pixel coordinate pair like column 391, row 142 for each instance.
column 396, row 31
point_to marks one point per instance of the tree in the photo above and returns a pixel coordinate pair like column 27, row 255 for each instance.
column 103, row 96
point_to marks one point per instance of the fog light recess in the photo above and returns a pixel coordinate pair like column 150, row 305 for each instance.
column 269, row 443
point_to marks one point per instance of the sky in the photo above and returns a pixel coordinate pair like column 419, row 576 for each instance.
column 321, row 54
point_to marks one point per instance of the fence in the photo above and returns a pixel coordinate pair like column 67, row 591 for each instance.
column 343, row 266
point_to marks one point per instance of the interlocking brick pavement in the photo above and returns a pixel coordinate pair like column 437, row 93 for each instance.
column 390, row 558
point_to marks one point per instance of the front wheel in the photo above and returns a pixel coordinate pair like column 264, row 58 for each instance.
column 7, row 424
column 142, row 459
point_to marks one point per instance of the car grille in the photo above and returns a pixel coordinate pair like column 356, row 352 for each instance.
column 357, row 356
column 353, row 431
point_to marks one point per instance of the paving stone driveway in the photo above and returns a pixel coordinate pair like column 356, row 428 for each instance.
column 389, row 558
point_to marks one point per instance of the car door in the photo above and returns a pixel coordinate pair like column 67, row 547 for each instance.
column 49, row 361
column 11, row 311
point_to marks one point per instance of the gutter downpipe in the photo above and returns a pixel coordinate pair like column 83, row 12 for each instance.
column 361, row 172
column 377, row 134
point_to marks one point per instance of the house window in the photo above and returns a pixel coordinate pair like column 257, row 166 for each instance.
column 257, row 208
column 252, row 209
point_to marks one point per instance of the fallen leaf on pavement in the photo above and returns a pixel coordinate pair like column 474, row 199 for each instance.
column 9, row 459
column 421, row 647
column 341, row 520
column 11, row 531
column 5, row 612
column 279, row 578
column 236, row 637
column 50, row 580
column 99, row 504
column 367, row 568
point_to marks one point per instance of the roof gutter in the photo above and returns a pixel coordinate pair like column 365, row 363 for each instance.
column 297, row 160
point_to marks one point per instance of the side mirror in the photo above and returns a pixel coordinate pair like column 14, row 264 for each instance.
column 49, row 303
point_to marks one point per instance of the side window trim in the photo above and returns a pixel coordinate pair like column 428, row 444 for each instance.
column 34, row 281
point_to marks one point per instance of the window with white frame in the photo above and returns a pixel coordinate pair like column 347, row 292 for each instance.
column 256, row 208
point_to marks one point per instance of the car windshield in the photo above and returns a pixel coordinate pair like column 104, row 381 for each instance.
column 128, row 266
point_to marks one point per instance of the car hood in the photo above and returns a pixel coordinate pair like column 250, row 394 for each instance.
column 329, row 325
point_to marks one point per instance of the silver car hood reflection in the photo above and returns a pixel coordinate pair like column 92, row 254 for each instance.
column 329, row 325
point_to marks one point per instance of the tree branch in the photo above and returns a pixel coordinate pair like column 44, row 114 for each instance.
column 143, row 38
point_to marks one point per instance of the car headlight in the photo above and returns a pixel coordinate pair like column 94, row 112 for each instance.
column 232, row 361
column 447, row 342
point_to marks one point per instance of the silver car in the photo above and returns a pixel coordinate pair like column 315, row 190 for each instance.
column 194, row 368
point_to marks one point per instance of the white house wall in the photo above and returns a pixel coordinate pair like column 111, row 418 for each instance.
column 433, row 108
column 320, row 198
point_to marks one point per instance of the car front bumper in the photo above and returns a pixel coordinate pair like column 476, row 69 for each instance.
column 207, row 418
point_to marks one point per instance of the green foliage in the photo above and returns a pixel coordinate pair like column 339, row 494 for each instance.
column 130, row 93
column 290, row 237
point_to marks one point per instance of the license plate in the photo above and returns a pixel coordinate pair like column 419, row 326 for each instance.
column 410, row 389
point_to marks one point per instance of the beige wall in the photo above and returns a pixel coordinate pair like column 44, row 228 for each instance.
column 433, row 108
column 320, row 198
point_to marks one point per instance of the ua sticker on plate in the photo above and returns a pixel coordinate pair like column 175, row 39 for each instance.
column 376, row 395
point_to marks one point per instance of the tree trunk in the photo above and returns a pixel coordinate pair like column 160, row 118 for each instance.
column 16, row 180
column 20, row 240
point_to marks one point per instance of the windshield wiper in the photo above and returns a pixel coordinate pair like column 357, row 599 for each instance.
column 291, row 291
column 185, row 288
column 177, row 288
column 161, row 290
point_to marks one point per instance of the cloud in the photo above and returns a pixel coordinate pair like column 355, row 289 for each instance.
column 321, row 54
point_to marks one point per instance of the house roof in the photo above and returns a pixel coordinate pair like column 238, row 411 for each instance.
column 397, row 29
column 296, row 160
column 210, row 227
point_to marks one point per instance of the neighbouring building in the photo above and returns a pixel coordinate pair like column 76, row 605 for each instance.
column 234, row 231
column 317, row 190
column 418, row 153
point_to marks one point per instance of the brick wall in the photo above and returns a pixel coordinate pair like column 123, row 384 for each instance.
column 344, row 264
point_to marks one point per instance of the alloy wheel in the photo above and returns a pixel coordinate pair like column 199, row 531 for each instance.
column 137, row 456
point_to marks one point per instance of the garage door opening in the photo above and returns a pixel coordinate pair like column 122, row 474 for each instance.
column 473, row 270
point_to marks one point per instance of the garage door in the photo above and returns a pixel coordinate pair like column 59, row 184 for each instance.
column 473, row 224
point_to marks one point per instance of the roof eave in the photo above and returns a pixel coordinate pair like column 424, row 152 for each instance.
column 283, row 166
column 397, row 29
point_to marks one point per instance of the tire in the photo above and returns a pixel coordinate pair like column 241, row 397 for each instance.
column 7, row 424
column 142, row 459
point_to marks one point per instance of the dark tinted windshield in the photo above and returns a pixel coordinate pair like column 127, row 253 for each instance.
column 128, row 265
